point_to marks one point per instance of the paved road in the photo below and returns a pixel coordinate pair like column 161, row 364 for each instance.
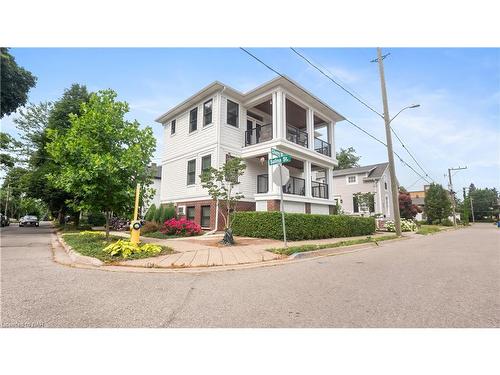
column 446, row 280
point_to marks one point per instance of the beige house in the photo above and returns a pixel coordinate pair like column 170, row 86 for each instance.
column 373, row 179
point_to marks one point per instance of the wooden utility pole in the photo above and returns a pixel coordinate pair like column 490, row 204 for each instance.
column 390, row 153
column 452, row 193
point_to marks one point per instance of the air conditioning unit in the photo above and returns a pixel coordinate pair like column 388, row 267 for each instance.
column 181, row 210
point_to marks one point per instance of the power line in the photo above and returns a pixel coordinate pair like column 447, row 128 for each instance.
column 349, row 121
column 308, row 60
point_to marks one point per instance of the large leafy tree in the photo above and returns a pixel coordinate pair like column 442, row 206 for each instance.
column 15, row 82
column 102, row 157
column 31, row 124
column 437, row 203
column 484, row 202
column 347, row 158
column 10, row 149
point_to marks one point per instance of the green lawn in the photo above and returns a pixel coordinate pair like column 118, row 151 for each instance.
column 304, row 248
column 92, row 246
column 428, row 229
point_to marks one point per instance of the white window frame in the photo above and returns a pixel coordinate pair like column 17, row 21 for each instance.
column 355, row 180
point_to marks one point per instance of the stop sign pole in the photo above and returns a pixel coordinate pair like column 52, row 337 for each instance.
column 280, row 158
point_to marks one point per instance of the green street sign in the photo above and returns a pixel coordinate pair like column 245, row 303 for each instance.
column 276, row 152
column 282, row 159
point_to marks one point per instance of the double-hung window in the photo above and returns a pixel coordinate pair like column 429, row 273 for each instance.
column 207, row 112
column 172, row 127
column 190, row 213
column 205, row 216
column 191, row 172
column 232, row 113
column 206, row 164
column 193, row 120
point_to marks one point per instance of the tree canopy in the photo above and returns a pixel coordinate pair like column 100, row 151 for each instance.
column 15, row 82
column 407, row 209
column 437, row 203
column 347, row 158
column 484, row 202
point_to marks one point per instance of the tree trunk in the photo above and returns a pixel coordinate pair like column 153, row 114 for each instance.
column 106, row 215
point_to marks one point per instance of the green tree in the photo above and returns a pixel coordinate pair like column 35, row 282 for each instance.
column 15, row 82
column 366, row 202
column 484, row 202
column 102, row 156
column 10, row 148
column 221, row 184
column 150, row 214
column 31, row 124
column 347, row 158
column 437, row 203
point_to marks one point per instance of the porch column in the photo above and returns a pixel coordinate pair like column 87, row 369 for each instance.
column 280, row 114
column 331, row 138
column 273, row 188
column 275, row 114
column 308, row 178
column 310, row 127
column 329, row 179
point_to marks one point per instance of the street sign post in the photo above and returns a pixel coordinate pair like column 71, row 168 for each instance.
column 281, row 158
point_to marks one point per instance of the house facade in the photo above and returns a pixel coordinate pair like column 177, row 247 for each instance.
column 219, row 122
column 375, row 179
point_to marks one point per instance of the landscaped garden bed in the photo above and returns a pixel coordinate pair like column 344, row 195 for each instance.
column 93, row 244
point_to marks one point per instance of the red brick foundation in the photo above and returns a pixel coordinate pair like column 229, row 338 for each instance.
column 273, row 205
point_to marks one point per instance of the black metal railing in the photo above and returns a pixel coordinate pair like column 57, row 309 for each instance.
column 262, row 183
column 297, row 136
column 259, row 134
column 319, row 189
column 322, row 147
column 295, row 185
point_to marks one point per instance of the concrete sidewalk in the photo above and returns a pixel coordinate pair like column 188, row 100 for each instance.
column 204, row 251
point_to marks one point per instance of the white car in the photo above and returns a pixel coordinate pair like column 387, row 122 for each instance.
column 29, row 220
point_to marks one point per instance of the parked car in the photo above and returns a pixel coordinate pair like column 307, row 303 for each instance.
column 29, row 220
column 4, row 220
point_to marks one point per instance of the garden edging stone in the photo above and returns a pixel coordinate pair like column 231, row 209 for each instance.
column 77, row 257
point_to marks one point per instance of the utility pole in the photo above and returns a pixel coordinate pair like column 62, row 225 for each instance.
column 471, row 208
column 452, row 193
column 390, row 153
column 7, row 199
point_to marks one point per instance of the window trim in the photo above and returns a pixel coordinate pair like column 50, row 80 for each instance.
column 237, row 124
column 201, row 216
column 211, row 100
column 194, row 213
column 188, row 173
column 355, row 180
column 173, row 124
column 193, row 110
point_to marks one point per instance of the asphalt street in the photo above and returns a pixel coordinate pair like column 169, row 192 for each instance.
column 449, row 279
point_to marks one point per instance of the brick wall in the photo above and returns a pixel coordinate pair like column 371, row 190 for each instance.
column 273, row 205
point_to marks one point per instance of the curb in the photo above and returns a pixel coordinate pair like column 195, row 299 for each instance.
column 77, row 257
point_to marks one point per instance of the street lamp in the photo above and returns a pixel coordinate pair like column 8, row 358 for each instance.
column 407, row 107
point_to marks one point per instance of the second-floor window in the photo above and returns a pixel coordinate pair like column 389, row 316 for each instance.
column 191, row 172
column 193, row 120
column 207, row 112
column 232, row 113
column 172, row 127
column 352, row 180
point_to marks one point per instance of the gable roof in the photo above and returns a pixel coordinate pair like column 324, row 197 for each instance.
column 375, row 171
column 216, row 86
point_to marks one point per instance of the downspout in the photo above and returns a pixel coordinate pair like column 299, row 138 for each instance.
column 217, row 155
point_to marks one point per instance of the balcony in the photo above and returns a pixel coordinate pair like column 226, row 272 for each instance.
column 319, row 190
column 297, row 136
column 295, row 185
column 322, row 147
column 258, row 134
column 262, row 183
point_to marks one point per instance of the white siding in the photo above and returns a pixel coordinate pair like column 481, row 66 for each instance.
column 295, row 207
column 261, row 206
column 320, row 209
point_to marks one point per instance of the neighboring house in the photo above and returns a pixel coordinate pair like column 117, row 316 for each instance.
column 219, row 122
column 418, row 199
column 156, row 185
column 367, row 179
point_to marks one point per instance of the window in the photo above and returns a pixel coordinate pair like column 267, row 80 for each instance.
column 205, row 216
column 206, row 163
column 232, row 113
column 355, row 204
column 352, row 179
column 172, row 127
column 190, row 213
column 191, row 172
column 207, row 112
column 193, row 120
column 385, row 183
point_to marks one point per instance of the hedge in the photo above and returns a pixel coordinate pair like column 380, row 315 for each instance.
column 300, row 226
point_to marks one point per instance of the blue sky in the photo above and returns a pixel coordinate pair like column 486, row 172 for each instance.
column 458, row 90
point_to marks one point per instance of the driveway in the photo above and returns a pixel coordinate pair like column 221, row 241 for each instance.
column 450, row 279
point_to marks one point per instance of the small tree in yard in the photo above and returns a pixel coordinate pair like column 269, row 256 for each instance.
column 221, row 184
column 366, row 202
column 407, row 209
column 437, row 203
column 102, row 157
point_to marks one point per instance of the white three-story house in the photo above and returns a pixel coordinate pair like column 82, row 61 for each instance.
column 219, row 122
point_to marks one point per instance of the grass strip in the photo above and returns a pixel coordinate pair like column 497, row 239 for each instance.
column 428, row 229
column 312, row 247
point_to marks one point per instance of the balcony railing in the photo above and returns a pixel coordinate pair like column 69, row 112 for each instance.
column 296, row 186
column 322, row 147
column 262, row 183
column 319, row 189
column 297, row 136
column 259, row 134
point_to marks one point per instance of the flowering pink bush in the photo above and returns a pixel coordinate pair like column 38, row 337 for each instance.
column 180, row 227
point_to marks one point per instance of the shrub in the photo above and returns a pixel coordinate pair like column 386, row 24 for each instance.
column 90, row 233
column 180, row 227
column 158, row 214
column 436, row 222
column 150, row 214
column 168, row 212
column 149, row 227
column 124, row 249
column 406, row 226
column 96, row 219
column 447, row 222
column 300, row 226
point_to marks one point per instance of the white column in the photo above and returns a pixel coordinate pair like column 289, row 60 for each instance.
column 279, row 114
column 329, row 179
column 310, row 127
column 275, row 114
column 283, row 114
column 307, row 177
column 331, row 139
column 332, row 142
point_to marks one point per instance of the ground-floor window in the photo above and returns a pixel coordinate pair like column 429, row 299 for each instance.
column 190, row 213
column 205, row 216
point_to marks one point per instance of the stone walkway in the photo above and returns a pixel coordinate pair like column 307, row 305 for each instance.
column 204, row 251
